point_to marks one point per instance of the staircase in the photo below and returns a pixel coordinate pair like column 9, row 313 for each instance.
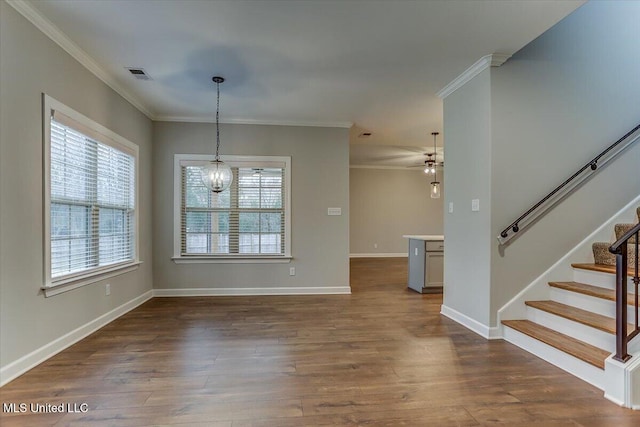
column 575, row 329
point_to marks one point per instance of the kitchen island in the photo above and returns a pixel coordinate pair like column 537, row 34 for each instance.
column 426, row 263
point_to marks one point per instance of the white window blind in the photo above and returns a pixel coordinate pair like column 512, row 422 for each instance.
column 249, row 218
column 92, row 200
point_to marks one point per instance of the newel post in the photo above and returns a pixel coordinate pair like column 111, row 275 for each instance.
column 621, row 304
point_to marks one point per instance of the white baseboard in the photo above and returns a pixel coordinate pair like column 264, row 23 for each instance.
column 381, row 255
column 490, row 333
column 201, row 292
column 613, row 399
column 25, row 363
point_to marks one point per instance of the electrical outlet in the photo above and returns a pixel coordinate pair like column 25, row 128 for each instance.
column 475, row 205
column 292, row 271
column 450, row 207
column 107, row 289
column 375, row 246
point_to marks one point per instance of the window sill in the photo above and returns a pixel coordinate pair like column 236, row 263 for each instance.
column 232, row 259
column 69, row 284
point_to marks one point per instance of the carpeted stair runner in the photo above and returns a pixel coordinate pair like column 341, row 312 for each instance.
column 601, row 254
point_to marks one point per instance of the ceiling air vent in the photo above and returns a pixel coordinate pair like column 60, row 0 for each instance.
column 139, row 73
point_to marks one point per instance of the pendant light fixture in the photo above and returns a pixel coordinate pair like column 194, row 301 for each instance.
column 430, row 164
column 435, row 184
column 217, row 176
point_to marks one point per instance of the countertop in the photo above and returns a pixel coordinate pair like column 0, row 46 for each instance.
column 424, row 237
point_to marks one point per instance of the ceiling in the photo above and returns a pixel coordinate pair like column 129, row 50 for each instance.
column 394, row 156
column 376, row 65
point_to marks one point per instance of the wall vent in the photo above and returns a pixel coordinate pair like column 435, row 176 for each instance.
column 139, row 73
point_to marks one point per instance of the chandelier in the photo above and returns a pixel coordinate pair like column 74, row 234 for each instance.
column 217, row 175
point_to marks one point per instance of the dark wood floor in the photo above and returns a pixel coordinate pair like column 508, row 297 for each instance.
column 382, row 356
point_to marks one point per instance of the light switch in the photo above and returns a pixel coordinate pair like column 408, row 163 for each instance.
column 334, row 211
column 450, row 207
column 475, row 205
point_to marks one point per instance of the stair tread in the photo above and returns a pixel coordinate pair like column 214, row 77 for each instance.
column 594, row 291
column 579, row 349
column 597, row 321
column 603, row 268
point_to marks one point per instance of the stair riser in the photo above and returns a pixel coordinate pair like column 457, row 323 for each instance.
column 596, row 278
column 589, row 303
column 601, row 254
column 634, row 346
column 573, row 329
column 621, row 229
column 562, row 360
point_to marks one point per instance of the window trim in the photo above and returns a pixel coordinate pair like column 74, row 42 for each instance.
column 178, row 258
column 108, row 137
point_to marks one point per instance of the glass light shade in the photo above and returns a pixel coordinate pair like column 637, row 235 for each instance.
column 435, row 190
column 217, row 176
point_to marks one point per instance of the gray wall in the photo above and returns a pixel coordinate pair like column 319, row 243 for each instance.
column 386, row 204
column 553, row 106
column 30, row 64
column 570, row 93
column 467, row 128
column 319, row 179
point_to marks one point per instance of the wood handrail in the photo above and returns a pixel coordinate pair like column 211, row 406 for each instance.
column 620, row 249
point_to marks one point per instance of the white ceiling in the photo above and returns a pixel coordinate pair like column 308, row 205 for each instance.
column 375, row 64
column 395, row 156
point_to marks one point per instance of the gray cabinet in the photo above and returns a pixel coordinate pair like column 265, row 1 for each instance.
column 417, row 264
column 426, row 265
column 434, row 269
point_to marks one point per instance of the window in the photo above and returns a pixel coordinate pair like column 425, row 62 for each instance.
column 90, row 203
column 249, row 220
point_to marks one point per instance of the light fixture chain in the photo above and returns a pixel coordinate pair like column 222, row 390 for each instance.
column 435, row 157
column 218, row 121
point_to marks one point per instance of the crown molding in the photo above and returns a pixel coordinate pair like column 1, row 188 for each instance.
column 195, row 119
column 34, row 16
column 493, row 60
